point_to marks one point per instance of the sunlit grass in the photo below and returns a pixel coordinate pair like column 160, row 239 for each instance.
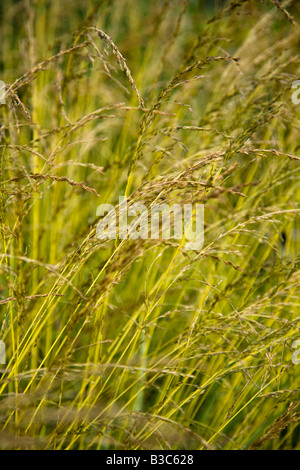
column 140, row 344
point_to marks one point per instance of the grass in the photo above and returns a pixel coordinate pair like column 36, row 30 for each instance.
column 140, row 344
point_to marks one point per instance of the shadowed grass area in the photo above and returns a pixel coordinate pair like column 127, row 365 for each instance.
column 141, row 344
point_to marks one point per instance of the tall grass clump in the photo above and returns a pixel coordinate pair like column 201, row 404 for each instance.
column 140, row 344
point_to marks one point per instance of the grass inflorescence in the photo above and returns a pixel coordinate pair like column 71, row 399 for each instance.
column 141, row 344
